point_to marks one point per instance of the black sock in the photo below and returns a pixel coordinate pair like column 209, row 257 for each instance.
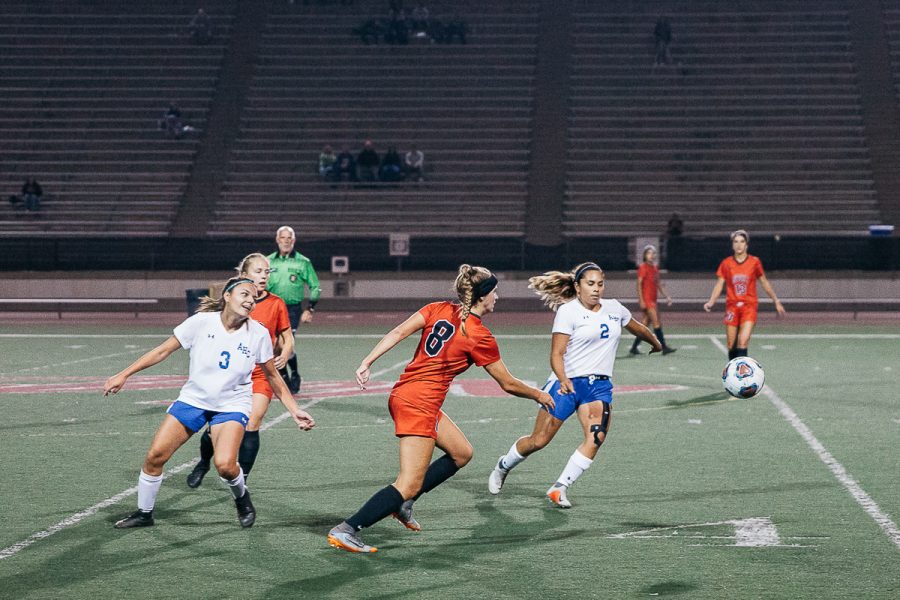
column 248, row 451
column 731, row 354
column 292, row 363
column 206, row 448
column 659, row 335
column 438, row 472
column 740, row 352
column 635, row 343
column 384, row 502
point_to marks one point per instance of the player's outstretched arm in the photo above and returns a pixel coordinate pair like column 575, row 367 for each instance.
column 642, row 331
column 767, row 287
column 153, row 357
column 717, row 291
column 516, row 387
column 302, row 418
column 396, row 335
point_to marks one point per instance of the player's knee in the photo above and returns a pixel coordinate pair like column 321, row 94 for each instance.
column 154, row 461
column 227, row 467
column 597, row 435
column 462, row 456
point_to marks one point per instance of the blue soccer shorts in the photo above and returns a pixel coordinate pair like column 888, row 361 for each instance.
column 591, row 388
column 195, row 418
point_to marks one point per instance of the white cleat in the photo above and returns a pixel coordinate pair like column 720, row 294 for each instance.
column 345, row 538
column 557, row 495
column 496, row 479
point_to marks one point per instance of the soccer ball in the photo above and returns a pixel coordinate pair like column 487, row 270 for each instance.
column 743, row 377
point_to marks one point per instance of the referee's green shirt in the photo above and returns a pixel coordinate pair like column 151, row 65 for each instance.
column 289, row 274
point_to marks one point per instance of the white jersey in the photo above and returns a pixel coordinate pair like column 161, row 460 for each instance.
column 221, row 362
column 593, row 336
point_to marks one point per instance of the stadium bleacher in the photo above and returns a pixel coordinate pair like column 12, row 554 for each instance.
column 84, row 88
column 468, row 107
column 756, row 123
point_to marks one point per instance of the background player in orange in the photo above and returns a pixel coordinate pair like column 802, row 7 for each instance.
column 453, row 338
column 648, row 288
column 737, row 275
column 271, row 312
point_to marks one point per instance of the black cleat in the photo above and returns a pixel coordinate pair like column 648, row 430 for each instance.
column 634, row 352
column 294, row 383
column 195, row 478
column 245, row 509
column 668, row 350
column 138, row 518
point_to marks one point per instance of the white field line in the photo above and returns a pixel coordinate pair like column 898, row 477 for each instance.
column 510, row 336
column 837, row 469
column 79, row 516
column 75, row 362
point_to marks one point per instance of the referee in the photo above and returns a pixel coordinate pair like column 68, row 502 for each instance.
column 290, row 272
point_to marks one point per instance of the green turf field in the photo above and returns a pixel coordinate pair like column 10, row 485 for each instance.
column 793, row 494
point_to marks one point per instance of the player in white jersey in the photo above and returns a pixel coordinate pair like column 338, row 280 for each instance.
column 586, row 333
column 225, row 346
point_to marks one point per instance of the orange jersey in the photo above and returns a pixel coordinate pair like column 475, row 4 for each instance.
column 271, row 312
column 740, row 279
column 649, row 276
column 443, row 353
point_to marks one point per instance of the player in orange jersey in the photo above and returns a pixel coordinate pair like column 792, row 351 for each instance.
column 271, row 312
column 453, row 338
column 648, row 288
column 737, row 275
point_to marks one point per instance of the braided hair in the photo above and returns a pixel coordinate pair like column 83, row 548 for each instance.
column 464, row 286
column 557, row 287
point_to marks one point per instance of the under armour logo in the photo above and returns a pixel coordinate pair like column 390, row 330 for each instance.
column 210, row 336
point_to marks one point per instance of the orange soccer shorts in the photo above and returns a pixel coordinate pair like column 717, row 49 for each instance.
column 410, row 418
column 739, row 312
column 261, row 383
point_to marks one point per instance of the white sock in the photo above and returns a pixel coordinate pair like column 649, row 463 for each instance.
column 236, row 485
column 512, row 458
column 148, row 488
column 578, row 464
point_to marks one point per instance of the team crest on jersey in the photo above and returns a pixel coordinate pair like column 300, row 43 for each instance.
column 293, row 278
column 740, row 284
column 614, row 317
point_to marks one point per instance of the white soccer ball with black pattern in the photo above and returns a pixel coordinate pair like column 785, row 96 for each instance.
column 743, row 377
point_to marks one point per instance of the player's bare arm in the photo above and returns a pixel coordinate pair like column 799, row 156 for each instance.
column 516, row 387
column 640, row 330
column 302, row 418
column 153, row 357
column 558, row 344
column 396, row 335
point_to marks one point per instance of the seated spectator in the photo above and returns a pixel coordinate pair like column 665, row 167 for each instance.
column 31, row 194
column 391, row 166
column 173, row 123
column 200, row 27
column 367, row 162
column 453, row 28
column 370, row 32
column 344, row 164
column 414, row 164
column 397, row 31
column 419, row 21
column 662, row 35
column 327, row 158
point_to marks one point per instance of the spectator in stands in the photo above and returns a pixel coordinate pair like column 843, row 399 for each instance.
column 675, row 226
column 420, row 20
column 327, row 158
column 662, row 34
column 344, row 164
column 414, row 164
column 172, row 122
column 370, row 32
column 367, row 162
column 200, row 27
column 453, row 28
column 397, row 30
column 391, row 166
column 32, row 194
